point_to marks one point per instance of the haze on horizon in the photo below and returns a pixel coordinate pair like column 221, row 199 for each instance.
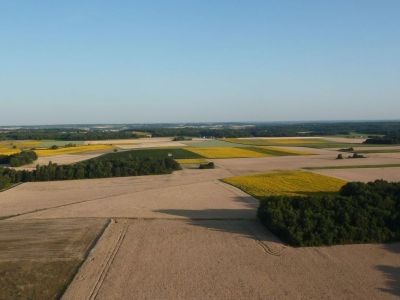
column 197, row 61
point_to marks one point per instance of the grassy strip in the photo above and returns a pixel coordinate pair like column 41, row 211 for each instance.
column 378, row 151
column 354, row 167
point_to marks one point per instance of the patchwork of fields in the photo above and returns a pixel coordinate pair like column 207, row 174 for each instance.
column 199, row 220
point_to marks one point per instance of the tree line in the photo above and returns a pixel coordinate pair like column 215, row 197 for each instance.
column 112, row 165
column 389, row 139
column 360, row 213
column 232, row 130
column 218, row 130
column 65, row 134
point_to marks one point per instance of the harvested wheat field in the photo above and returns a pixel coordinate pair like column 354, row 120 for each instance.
column 60, row 159
column 187, row 187
column 38, row 258
column 222, row 259
column 362, row 174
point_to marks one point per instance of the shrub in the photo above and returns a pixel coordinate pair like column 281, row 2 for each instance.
column 18, row 159
column 209, row 165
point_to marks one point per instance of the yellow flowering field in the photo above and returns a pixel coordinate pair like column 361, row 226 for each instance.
column 8, row 151
column 225, row 152
column 71, row 150
column 286, row 183
column 192, row 161
column 279, row 141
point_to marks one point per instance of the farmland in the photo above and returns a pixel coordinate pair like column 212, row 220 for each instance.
column 293, row 142
column 71, row 150
column 210, row 215
column 38, row 258
column 225, row 152
column 286, row 183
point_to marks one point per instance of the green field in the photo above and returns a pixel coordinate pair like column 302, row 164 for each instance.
column 157, row 153
column 49, row 143
column 310, row 143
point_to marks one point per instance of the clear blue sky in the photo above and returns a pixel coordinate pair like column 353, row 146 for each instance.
column 196, row 60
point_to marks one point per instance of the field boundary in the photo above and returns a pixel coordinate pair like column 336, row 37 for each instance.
column 85, row 256
column 109, row 260
column 353, row 167
column 11, row 187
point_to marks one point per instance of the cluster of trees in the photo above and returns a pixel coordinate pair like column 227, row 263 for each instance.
column 220, row 130
column 111, row 165
column 217, row 130
column 18, row 159
column 360, row 213
column 65, row 134
column 389, row 139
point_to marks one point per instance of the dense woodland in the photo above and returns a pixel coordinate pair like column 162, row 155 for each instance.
column 389, row 139
column 217, row 130
column 274, row 129
column 18, row 159
column 110, row 165
column 65, row 134
column 360, row 213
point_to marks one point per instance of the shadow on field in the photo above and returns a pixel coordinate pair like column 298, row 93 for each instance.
column 238, row 221
column 392, row 273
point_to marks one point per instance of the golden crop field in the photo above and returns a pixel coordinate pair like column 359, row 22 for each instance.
column 225, row 152
column 283, row 141
column 192, row 161
column 72, row 150
column 286, row 183
column 8, row 151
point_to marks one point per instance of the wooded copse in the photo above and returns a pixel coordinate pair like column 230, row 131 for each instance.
column 18, row 159
column 360, row 213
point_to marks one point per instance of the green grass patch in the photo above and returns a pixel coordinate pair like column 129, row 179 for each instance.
column 156, row 153
column 49, row 143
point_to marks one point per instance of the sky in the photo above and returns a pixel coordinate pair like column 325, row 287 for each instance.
column 65, row 62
